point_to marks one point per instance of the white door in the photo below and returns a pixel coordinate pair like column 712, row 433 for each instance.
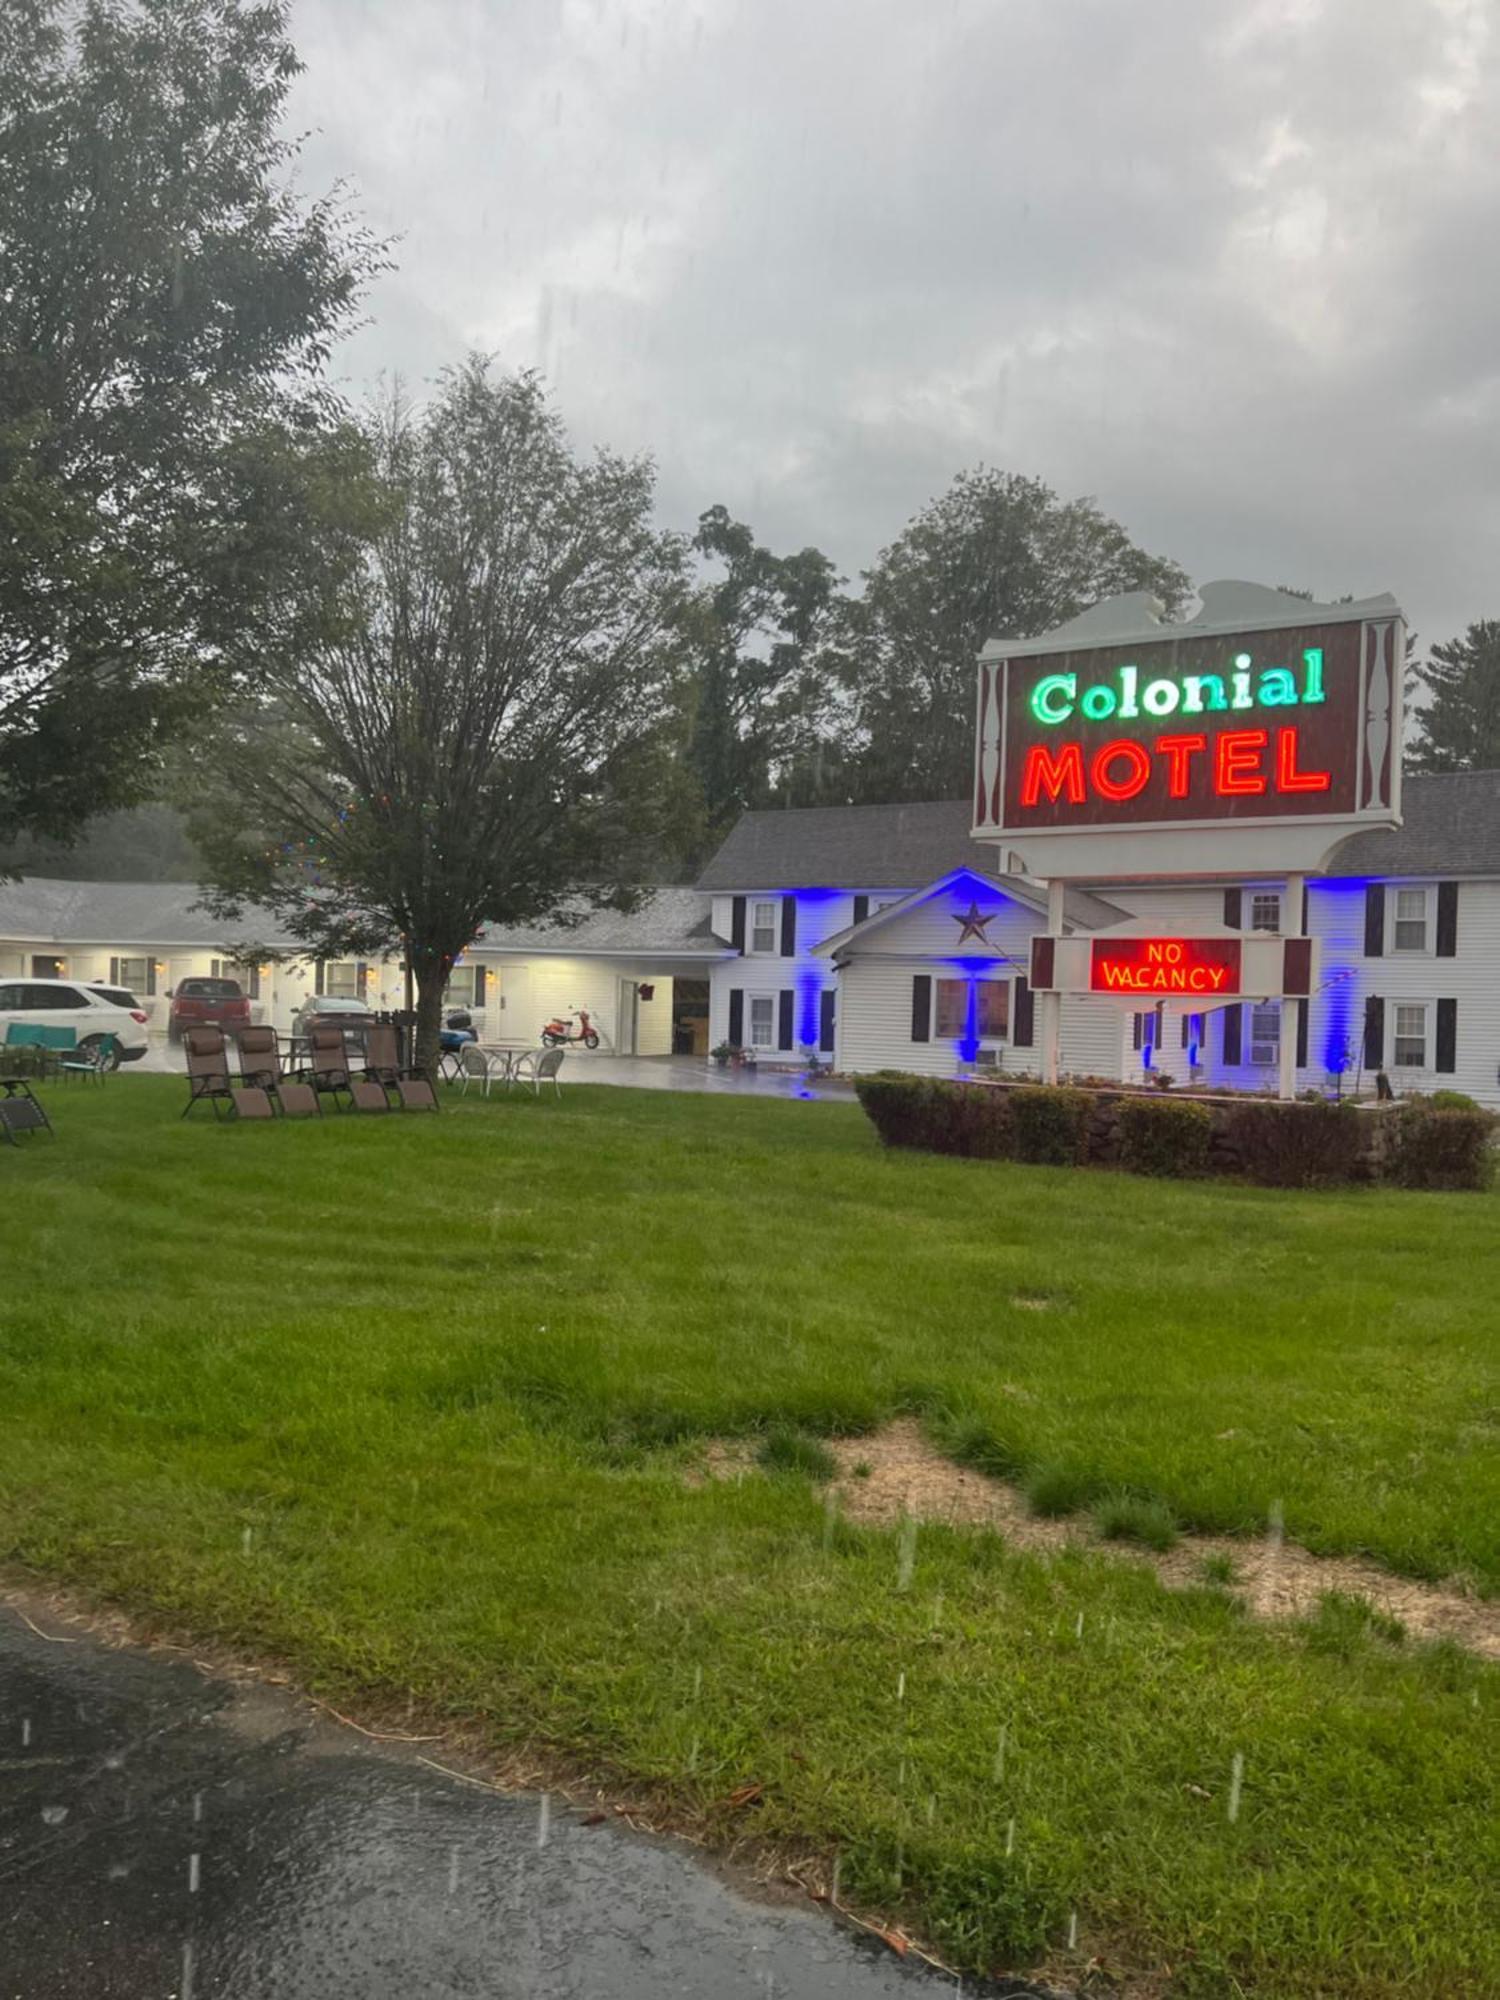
column 627, row 1015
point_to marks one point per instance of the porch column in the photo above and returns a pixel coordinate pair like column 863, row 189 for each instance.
column 1052, row 1002
column 1292, row 907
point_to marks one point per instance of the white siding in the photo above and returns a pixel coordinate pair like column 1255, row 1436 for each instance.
column 819, row 915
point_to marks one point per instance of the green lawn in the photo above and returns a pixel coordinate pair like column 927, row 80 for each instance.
column 447, row 1372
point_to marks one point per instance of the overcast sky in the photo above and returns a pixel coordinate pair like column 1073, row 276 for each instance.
column 1231, row 266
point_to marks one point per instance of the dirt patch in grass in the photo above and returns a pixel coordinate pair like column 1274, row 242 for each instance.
column 906, row 1475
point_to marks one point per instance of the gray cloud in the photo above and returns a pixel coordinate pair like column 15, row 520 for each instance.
column 1229, row 265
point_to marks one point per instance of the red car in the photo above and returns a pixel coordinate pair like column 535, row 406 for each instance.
column 199, row 1003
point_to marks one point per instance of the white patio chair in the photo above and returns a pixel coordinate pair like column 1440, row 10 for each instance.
column 474, row 1065
column 536, row 1067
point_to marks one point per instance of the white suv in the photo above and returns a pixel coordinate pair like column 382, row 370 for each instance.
column 91, row 1011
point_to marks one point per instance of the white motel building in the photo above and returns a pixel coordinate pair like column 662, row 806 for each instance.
column 888, row 937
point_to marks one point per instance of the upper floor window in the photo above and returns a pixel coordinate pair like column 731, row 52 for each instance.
column 1409, row 923
column 1265, row 910
column 763, row 927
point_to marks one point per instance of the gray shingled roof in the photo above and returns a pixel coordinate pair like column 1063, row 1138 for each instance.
column 1451, row 827
column 848, row 847
column 865, row 847
column 148, row 913
column 672, row 922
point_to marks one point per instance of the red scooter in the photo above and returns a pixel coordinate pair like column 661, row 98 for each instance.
column 560, row 1029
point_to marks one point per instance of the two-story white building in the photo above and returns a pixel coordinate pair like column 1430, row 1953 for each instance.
column 923, row 965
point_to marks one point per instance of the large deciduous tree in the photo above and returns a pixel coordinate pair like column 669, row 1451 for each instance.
column 482, row 737
column 998, row 556
column 756, row 700
column 1458, row 728
column 166, row 306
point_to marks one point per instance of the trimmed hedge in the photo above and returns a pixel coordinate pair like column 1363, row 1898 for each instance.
column 967, row 1119
column 1164, row 1136
column 1051, row 1125
column 1275, row 1144
column 1298, row 1145
column 1443, row 1149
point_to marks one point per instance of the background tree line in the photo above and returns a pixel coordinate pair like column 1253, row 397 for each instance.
column 409, row 668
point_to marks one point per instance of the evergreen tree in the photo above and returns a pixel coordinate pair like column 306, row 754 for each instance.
column 1458, row 729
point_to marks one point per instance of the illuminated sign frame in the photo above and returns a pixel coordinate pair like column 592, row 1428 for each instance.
column 1256, row 735
column 1166, row 967
column 1178, row 969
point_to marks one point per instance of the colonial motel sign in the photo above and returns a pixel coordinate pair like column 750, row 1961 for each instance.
column 1248, row 741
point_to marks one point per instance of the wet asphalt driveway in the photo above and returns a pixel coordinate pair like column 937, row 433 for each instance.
column 164, row 1833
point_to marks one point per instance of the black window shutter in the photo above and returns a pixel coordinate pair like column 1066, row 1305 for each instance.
column 1023, row 1016
column 317, row 975
column 479, row 985
column 1447, row 920
column 361, row 979
column 150, row 976
column 737, row 923
column 1233, row 900
column 1187, row 1029
column 254, row 976
column 921, row 1007
column 784, row 1018
column 737, row 1015
column 1374, row 1031
column 1447, row 1037
column 1137, row 1031
column 1303, row 926
column 861, row 908
column 1301, row 1007
column 114, row 972
column 1233, row 1035
column 827, row 1000
column 789, row 928
column 1375, row 920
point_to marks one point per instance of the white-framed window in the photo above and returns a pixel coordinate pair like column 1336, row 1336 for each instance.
column 762, row 1021
column 459, row 992
column 1265, row 1033
column 1409, row 920
column 341, row 979
column 1410, row 1045
column 1265, row 910
column 991, row 1008
column 763, row 927
column 132, row 972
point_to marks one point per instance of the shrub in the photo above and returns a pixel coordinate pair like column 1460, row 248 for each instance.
column 1161, row 1136
column 1437, row 1148
column 1050, row 1124
column 793, row 1451
column 1128, row 1517
column 1453, row 1100
column 1298, row 1145
column 970, row 1119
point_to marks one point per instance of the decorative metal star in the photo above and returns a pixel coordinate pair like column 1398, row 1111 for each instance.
column 972, row 924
